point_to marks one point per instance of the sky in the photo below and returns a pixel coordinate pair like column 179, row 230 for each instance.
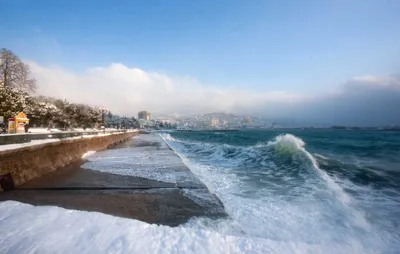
column 268, row 58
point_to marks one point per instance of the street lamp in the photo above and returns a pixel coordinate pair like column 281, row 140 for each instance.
column 104, row 110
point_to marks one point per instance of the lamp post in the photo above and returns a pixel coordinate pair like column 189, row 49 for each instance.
column 102, row 120
column 104, row 110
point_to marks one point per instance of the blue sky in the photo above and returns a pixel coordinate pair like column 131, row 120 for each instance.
column 314, row 61
column 262, row 45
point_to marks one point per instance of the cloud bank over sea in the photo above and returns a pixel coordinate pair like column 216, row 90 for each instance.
column 364, row 100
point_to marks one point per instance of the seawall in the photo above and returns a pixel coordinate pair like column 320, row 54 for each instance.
column 155, row 187
column 32, row 161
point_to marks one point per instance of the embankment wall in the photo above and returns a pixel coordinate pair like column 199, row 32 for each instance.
column 32, row 161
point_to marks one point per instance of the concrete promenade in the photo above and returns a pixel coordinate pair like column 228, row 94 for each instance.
column 130, row 195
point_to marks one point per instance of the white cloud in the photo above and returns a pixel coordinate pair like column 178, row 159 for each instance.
column 366, row 100
column 375, row 80
column 128, row 90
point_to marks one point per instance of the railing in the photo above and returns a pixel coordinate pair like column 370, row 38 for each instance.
column 6, row 139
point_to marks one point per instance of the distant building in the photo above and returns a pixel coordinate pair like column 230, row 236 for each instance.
column 214, row 122
column 248, row 121
column 144, row 115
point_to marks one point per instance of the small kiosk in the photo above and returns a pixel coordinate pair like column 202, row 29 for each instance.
column 17, row 124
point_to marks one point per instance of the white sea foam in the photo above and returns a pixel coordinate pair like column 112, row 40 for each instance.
column 88, row 153
column 29, row 229
column 133, row 162
column 155, row 162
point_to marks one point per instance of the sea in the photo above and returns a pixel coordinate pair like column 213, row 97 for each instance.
column 285, row 191
column 315, row 186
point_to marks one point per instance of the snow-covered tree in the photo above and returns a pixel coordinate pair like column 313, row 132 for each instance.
column 55, row 113
column 44, row 112
column 13, row 101
column 15, row 86
column 14, row 73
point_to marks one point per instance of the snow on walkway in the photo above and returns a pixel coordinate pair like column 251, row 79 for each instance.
column 31, row 143
column 51, row 140
column 29, row 229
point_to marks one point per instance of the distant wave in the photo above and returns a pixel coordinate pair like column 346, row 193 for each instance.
column 320, row 156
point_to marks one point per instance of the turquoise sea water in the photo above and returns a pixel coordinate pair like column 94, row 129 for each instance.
column 312, row 186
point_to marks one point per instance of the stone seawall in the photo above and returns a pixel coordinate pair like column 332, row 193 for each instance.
column 29, row 162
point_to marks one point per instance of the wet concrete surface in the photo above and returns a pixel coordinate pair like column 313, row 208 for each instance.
column 166, row 203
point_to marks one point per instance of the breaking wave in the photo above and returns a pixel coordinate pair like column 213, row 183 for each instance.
column 277, row 190
column 286, row 141
column 287, row 146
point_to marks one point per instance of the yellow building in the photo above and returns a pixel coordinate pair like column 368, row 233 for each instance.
column 17, row 124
